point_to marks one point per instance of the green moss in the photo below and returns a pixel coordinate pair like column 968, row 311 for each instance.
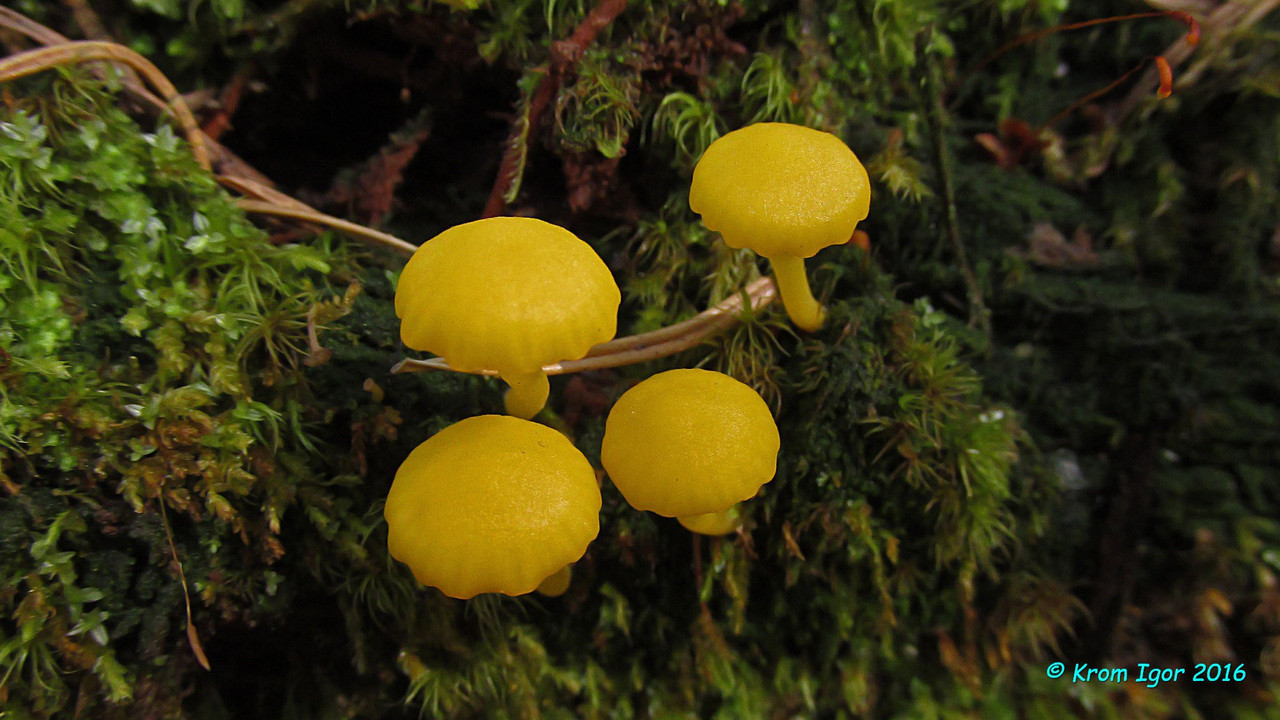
column 947, row 504
column 153, row 350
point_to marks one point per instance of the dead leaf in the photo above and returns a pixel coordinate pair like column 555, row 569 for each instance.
column 1048, row 247
column 196, row 648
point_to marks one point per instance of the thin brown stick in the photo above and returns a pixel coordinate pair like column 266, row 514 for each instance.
column 228, row 164
column 306, row 214
column 87, row 20
column 226, row 161
column 600, row 17
column 34, row 61
column 521, row 131
column 1081, row 102
column 979, row 314
column 265, row 200
column 256, row 190
column 19, row 23
column 639, row 348
column 730, row 306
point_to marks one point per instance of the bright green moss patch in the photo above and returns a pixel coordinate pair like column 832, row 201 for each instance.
column 153, row 350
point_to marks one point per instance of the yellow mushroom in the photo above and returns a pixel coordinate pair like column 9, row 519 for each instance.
column 557, row 583
column 509, row 295
column 492, row 504
column 719, row 523
column 786, row 192
column 690, row 444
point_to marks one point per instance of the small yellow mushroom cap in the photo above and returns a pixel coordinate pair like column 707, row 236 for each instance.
column 508, row 294
column 492, row 504
column 689, row 442
column 780, row 189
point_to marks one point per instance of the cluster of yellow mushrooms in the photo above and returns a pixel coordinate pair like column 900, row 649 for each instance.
column 499, row 503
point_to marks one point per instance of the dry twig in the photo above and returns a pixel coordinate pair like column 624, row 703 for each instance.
column 33, row 61
column 645, row 346
column 309, row 215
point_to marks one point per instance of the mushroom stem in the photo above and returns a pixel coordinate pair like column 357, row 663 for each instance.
column 528, row 393
column 797, row 298
column 557, row 583
column 717, row 523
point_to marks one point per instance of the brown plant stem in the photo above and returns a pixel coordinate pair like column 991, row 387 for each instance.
column 519, row 137
column 226, row 161
column 645, row 346
column 31, row 62
column 729, row 306
column 192, row 638
column 1185, row 18
column 1082, row 101
column 87, row 20
column 257, row 190
column 306, row 214
column 23, row 25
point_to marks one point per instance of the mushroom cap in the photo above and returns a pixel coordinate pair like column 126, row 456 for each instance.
column 508, row 294
column 721, row 523
column 780, row 189
column 689, row 442
column 492, row 504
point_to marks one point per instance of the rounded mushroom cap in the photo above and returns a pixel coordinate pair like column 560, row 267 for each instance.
column 508, row 294
column 689, row 442
column 492, row 504
column 780, row 189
